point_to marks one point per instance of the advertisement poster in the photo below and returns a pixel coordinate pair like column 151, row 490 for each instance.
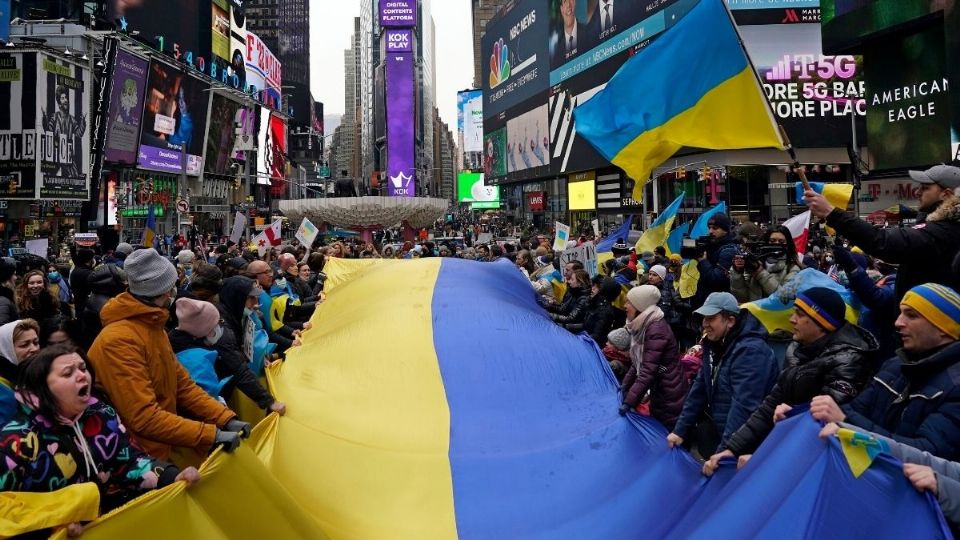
column 398, row 13
column 126, row 108
column 245, row 123
column 495, row 154
column 174, row 121
column 472, row 188
column 19, row 125
column 264, row 148
column 238, row 41
column 65, row 142
column 577, row 26
column 812, row 95
column 263, row 70
column 516, row 53
column 278, row 154
column 220, row 135
column 527, row 144
column 220, row 29
column 470, row 120
column 181, row 27
column 401, row 172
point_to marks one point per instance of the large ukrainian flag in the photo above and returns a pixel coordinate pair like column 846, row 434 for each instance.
column 693, row 86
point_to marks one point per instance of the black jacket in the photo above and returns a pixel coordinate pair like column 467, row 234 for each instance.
column 715, row 268
column 8, row 307
column 937, row 240
column 573, row 309
column 230, row 361
column 104, row 283
column 601, row 314
column 839, row 365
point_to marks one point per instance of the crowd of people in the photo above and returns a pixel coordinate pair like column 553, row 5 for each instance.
column 144, row 351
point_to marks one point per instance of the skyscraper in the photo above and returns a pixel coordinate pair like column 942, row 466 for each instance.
column 483, row 11
column 284, row 25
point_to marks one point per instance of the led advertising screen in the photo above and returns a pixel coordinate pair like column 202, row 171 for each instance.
column 181, row 28
column 221, row 134
column 470, row 120
column 517, row 65
column 528, row 148
column 126, row 108
column 398, row 13
column 245, row 124
column 264, row 148
column 582, row 195
column 472, row 189
column 848, row 23
column 65, row 137
column 238, row 41
column 174, row 121
column 263, row 70
column 19, row 125
column 401, row 171
column 278, row 154
column 220, row 29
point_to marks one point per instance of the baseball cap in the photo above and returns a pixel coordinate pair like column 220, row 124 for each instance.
column 718, row 302
column 946, row 176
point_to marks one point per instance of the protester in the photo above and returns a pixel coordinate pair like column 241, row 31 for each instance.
column 19, row 340
column 739, row 369
column 827, row 356
column 915, row 398
column 617, row 352
column 675, row 309
column 83, row 262
column 573, row 309
column 936, row 235
column 715, row 261
column 8, row 301
column 280, row 333
column 35, row 301
column 105, row 283
column 152, row 393
column 600, row 315
column 758, row 275
column 654, row 359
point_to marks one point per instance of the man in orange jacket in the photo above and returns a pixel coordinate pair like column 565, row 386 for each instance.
column 154, row 395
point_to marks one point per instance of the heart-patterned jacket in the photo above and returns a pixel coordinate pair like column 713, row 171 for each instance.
column 39, row 454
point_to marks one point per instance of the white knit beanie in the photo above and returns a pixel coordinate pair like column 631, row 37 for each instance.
column 659, row 270
column 643, row 297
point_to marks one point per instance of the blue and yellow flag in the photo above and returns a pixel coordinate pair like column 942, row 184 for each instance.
column 675, row 240
column 643, row 116
column 659, row 231
column 775, row 310
column 860, row 449
column 150, row 228
column 604, row 247
column 836, row 194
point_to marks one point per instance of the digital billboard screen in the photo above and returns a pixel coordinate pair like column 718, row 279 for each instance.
column 471, row 188
column 174, row 121
column 516, row 59
column 221, row 135
column 126, row 108
column 182, row 28
column 470, row 120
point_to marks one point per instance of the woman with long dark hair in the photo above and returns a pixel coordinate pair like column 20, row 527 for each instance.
column 775, row 265
column 37, row 302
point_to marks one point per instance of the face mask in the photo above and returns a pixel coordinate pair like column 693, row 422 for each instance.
column 247, row 312
column 281, row 283
column 217, row 334
column 53, row 276
column 828, row 260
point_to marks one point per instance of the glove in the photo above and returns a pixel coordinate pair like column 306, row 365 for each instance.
column 243, row 428
column 230, row 440
column 844, row 259
column 623, row 409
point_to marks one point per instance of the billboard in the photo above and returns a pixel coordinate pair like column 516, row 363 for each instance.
column 527, row 144
column 278, row 154
column 245, row 124
column 65, row 140
column 126, row 108
column 495, row 153
column 470, row 120
column 174, row 121
column 582, row 195
column 812, row 95
column 264, row 148
column 401, row 164
column 19, row 125
column 471, row 188
column 238, row 41
column 515, row 45
column 5, row 20
column 398, row 13
column 263, row 70
column 221, row 134
column 181, row 28
column 220, row 30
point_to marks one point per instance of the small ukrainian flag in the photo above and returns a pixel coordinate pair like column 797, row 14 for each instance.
column 693, row 86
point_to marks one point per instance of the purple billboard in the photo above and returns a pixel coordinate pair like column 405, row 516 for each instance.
column 401, row 170
column 398, row 13
column 400, row 41
column 126, row 108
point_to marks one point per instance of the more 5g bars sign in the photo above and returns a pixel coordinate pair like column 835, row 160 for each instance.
column 400, row 41
column 398, row 13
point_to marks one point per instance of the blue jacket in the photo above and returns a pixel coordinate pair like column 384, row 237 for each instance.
column 914, row 401
column 735, row 377
column 881, row 309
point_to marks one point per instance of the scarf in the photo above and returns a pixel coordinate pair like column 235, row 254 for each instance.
column 638, row 330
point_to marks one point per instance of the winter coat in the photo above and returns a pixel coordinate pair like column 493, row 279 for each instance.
column 714, row 269
column 39, row 454
column 880, row 310
column 151, row 390
column 8, row 379
column 80, row 285
column 601, row 314
column 659, row 372
column 751, row 287
column 574, row 307
column 838, row 365
column 230, row 363
column 8, row 307
column 105, row 282
column 937, row 239
column 671, row 304
column 915, row 401
column 735, row 377
column 47, row 315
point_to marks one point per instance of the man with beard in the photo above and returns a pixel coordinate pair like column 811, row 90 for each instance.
column 936, row 236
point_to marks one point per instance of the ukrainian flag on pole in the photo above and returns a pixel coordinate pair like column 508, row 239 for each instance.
column 693, row 86
column 659, row 232
column 150, row 228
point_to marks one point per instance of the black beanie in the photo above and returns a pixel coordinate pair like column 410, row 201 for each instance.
column 720, row 221
column 825, row 306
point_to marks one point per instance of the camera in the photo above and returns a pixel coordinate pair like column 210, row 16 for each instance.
column 756, row 253
column 693, row 248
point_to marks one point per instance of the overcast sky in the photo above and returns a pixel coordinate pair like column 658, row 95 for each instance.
column 331, row 24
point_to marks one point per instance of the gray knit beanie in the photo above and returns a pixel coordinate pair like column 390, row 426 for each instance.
column 619, row 338
column 148, row 274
